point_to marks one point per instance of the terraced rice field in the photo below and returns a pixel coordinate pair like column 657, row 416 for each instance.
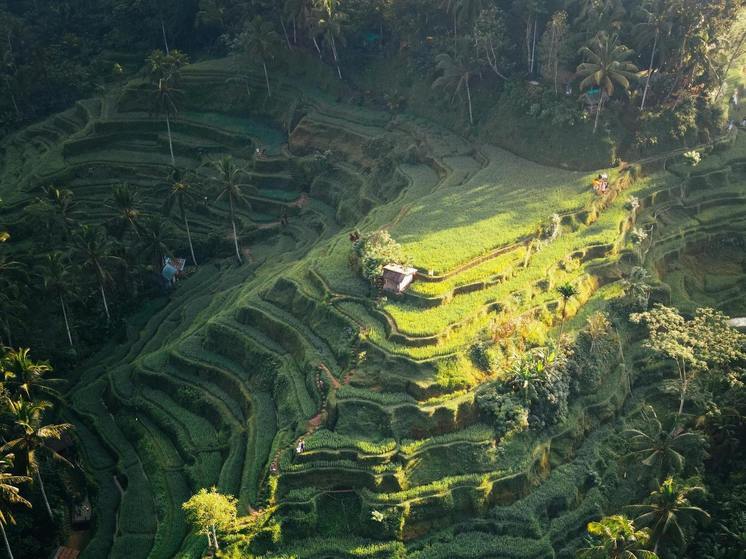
column 217, row 386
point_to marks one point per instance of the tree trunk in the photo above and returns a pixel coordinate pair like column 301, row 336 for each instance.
column 67, row 324
column 44, row 494
column 650, row 72
column 468, row 98
column 170, row 141
column 285, row 32
column 266, row 79
column 316, row 44
column 336, row 59
column 209, row 539
column 682, row 373
column 12, row 98
column 235, row 234
column 106, row 305
column 189, row 238
column 295, row 32
column 165, row 41
column 736, row 53
column 215, row 538
column 598, row 110
column 533, row 48
column 5, row 539
column 562, row 324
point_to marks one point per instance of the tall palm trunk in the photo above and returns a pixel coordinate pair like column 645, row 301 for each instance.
column 189, row 237
column 336, row 59
column 235, row 234
column 468, row 98
column 5, row 539
column 67, row 324
column 650, row 72
column 533, row 48
column 562, row 323
column 598, row 110
column 165, row 41
column 316, row 44
column 285, row 32
column 44, row 493
column 266, row 78
column 170, row 140
column 103, row 298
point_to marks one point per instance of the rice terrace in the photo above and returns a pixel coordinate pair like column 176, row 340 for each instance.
column 339, row 279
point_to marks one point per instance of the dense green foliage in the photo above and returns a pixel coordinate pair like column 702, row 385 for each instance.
column 557, row 380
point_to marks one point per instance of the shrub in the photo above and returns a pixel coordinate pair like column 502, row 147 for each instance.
column 454, row 373
column 486, row 356
column 502, row 410
column 375, row 250
column 693, row 157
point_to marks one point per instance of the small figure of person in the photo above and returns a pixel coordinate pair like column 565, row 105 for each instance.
column 284, row 217
column 301, row 446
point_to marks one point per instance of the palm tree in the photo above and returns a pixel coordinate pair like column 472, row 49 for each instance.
column 13, row 287
column 154, row 241
column 567, row 291
column 164, row 70
column 455, row 75
column 182, row 195
column 10, row 495
column 59, row 279
column 32, row 442
column 23, row 376
column 165, row 101
column 663, row 450
column 124, row 204
column 636, row 286
column 257, row 41
column 656, row 21
column 668, row 508
column 61, row 200
column 464, row 12
column 297, row 12
column 615, row 537
column 95, row 253
column 606, row 65
column 228, row 186
column 330, row 26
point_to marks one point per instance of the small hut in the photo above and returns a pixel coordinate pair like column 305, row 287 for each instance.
column 397, row 278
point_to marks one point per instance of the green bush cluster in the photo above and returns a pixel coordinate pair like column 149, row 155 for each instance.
column 376, row 250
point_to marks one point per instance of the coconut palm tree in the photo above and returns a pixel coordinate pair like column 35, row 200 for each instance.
column 166, row 98
column 23, row 377
column 567, row 291
column 228, row 185
column 455, row 76
column 166, row 66
column 637, row 287
column 124, row 205
column 663, row 450
column 94, row 251
column 63, row 206
column 32, row 441
column 606, row 64
column 182, row 195
column 10, row 496
column 154, row 242
column 59, row 279
column 257, row 41
column 668, row 509
column 656, row 22
column 329, row 25
column 615, row 537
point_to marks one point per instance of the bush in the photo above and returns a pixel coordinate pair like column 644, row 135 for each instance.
column 502, row 410
column 375, row 250
column 486, row 356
